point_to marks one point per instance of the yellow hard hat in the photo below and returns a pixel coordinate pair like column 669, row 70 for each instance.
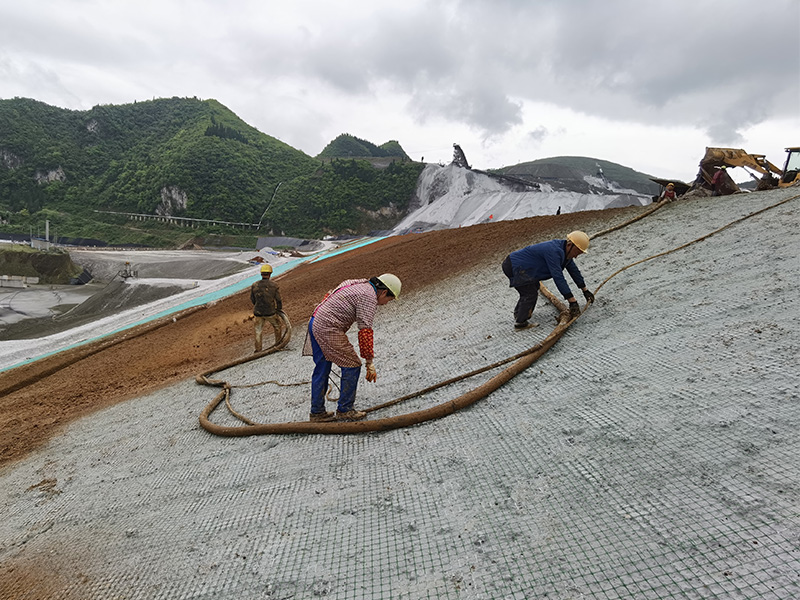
column 580, row 239
column 670, row 185
column 392, row 283
column 266, row 268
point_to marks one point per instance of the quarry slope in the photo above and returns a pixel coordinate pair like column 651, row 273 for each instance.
column 652, row 453
column 52, row 391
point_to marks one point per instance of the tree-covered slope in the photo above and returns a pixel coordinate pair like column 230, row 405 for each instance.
column 188, row 158
column 349, row 146
column 194, row 154
column 344, row 196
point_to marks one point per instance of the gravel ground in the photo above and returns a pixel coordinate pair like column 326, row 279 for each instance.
column 652, row 453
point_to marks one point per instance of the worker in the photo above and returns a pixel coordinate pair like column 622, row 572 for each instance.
column 526, row 267
column 669, row 193
column 266, row 299
column 718, row 183
column 352, row 301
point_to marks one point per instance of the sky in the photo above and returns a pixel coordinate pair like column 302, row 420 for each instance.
column 645, row 84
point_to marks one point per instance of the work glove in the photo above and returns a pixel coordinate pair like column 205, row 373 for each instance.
column 588, row 295
column 574, row 310
column 372, row 374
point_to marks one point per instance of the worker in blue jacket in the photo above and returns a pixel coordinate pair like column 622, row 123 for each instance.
column 526, row 267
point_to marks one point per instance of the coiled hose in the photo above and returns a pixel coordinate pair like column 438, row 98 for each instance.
column 521, row 361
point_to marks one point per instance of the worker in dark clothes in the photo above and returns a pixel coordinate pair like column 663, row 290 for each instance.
column 721, row 183
column 526, row 267
column 266, row 299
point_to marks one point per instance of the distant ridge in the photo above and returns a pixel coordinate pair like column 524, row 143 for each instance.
column 575, row 168
column 349, row 146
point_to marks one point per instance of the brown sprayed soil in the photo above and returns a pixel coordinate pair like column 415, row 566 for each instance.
column 38, row 399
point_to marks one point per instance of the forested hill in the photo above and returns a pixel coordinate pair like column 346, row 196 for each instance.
column 181, row 157
column 346, row 145
column 122, row 157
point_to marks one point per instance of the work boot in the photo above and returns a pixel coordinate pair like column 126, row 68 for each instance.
column 525, row 325
column 351, row 415
column 323, row 417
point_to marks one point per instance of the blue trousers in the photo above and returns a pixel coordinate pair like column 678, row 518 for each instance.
column 528, row 294
column 321, row 375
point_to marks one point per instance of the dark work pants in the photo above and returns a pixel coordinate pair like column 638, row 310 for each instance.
column 528, row 294
column 319, row 380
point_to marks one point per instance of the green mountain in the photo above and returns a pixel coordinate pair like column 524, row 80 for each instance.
column 196, row 155
column 180, row 157
column 348, row 146
column 345, row 196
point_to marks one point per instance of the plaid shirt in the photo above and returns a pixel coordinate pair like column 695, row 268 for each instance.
column 353, row 301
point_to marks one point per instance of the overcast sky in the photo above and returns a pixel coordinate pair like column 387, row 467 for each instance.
column 642, row 83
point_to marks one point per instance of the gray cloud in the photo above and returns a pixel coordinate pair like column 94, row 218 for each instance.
column 472, row 63
column 675, row 63
column 538, row 134
column 667, row 64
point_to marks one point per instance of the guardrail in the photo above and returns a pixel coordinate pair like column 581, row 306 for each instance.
column 182, row 221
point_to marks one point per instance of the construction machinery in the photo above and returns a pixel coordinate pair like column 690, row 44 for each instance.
column 771, row 176
column 127, row 272
column 791, row 168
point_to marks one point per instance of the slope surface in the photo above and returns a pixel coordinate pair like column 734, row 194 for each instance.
column 650, row 454
column 65, row 386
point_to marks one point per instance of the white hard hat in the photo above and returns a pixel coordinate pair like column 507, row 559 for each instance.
column 392, row 283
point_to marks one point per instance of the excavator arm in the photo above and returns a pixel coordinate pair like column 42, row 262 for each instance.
column 733, row 157
column 771, row 176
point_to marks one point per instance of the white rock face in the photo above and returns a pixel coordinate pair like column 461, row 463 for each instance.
column 9, row 160
column 50, row 176
column 173, row 199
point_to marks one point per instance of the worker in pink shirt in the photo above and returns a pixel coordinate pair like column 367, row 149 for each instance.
column 352, row 301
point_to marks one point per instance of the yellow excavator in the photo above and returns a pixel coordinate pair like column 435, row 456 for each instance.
column 791, row 168
column 771, row 176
